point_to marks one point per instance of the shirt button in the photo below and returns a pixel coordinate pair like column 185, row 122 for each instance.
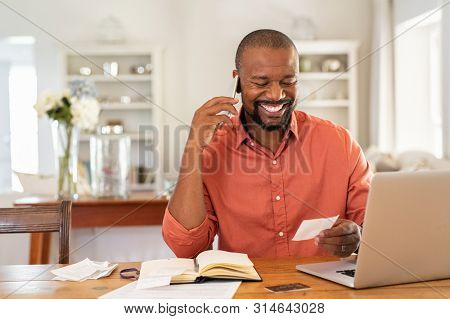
column 278, row 197
column 280, row 234
column 252, row 144
column 274, row 162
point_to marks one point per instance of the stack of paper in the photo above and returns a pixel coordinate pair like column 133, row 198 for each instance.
column 86, row 269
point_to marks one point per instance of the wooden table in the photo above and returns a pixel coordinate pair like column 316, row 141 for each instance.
column 33, row 281
column 140, row 209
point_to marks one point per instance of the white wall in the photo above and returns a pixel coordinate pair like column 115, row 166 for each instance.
column 408, row 9
column 446, row 78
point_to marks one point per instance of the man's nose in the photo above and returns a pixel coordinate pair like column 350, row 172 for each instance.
column 275, row 92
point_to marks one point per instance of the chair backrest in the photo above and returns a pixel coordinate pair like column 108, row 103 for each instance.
column 40, row 219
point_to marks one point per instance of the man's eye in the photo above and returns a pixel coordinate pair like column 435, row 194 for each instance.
column 289, row 83
column 261, row 84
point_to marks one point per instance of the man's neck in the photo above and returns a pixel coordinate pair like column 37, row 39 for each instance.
column 268, row 139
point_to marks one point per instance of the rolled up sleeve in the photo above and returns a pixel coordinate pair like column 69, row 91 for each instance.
column 189, row 243
column 359, row 183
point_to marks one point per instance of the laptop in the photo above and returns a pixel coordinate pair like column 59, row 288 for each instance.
column 406, row 233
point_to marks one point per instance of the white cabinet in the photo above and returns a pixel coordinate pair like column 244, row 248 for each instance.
column 130, row 93
column 328, row 81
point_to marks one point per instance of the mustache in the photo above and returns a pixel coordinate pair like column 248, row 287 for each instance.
column 282, row 101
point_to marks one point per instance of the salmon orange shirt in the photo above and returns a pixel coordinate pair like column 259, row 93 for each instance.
column 256, row 200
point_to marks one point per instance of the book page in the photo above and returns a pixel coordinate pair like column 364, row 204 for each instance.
column 220, row 257
column 246, row 273
column 166, row 267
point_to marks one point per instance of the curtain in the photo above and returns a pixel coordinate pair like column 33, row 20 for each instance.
column 382, row 115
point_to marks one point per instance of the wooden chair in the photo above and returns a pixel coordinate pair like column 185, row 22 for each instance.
column 40, row 219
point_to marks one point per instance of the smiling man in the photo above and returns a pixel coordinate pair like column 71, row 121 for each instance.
column 254, row 178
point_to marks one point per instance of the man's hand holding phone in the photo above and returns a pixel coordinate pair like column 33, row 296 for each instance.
column 187, row 205
column 207, row 117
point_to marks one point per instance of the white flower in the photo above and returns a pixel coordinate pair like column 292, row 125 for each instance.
column 46, row 101
column 85, row 112
column 66, row 93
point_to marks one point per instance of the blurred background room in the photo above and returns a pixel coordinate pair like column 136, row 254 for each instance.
column 133, row 73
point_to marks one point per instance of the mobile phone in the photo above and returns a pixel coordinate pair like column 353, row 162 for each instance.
column 236, row 88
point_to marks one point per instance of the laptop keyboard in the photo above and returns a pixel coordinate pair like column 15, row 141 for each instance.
column 349, row 272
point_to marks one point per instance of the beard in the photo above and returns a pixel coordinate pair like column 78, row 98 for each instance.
column 288, row 103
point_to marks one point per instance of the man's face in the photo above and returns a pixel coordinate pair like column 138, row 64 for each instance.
column 269, row 86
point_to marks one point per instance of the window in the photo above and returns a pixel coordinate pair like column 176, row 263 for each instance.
column 23, row 119
column 418, row 103
column 21, row 138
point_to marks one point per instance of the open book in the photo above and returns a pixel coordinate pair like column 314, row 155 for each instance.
column 208, row 264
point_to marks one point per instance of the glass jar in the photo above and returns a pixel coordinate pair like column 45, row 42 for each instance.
column 110, row 162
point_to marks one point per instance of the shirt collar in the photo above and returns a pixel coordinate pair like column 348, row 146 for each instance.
column 242, row 135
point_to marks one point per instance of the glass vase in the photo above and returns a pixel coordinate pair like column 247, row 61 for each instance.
column 65, row 142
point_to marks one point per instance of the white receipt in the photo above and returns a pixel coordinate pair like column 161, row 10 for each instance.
column 84, row 270
column 311, row 228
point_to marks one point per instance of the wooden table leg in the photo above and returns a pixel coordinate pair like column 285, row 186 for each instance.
column 39, row 248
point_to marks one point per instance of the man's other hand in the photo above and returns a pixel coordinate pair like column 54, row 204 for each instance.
column 340, row 240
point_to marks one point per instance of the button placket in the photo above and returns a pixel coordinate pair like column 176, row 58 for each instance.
column 278, row 205
column 277, row 178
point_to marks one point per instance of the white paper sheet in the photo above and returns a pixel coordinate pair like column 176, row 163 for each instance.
column 158, row 273
column 207, row 290
column 311, row 228
column 83, row 270
column 152, row 282
column 166, row 267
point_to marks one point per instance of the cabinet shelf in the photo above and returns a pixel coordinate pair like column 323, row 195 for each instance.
column 110, row 89
column 126, row 107
column 133, row 136
column 324, row 103
column 321, row 89
column 323, row 76
column 136, row 187
column 105, row 78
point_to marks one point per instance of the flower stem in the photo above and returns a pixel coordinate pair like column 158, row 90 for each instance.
column 64, row 170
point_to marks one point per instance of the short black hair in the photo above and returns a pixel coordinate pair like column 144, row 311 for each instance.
column 264, row 38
